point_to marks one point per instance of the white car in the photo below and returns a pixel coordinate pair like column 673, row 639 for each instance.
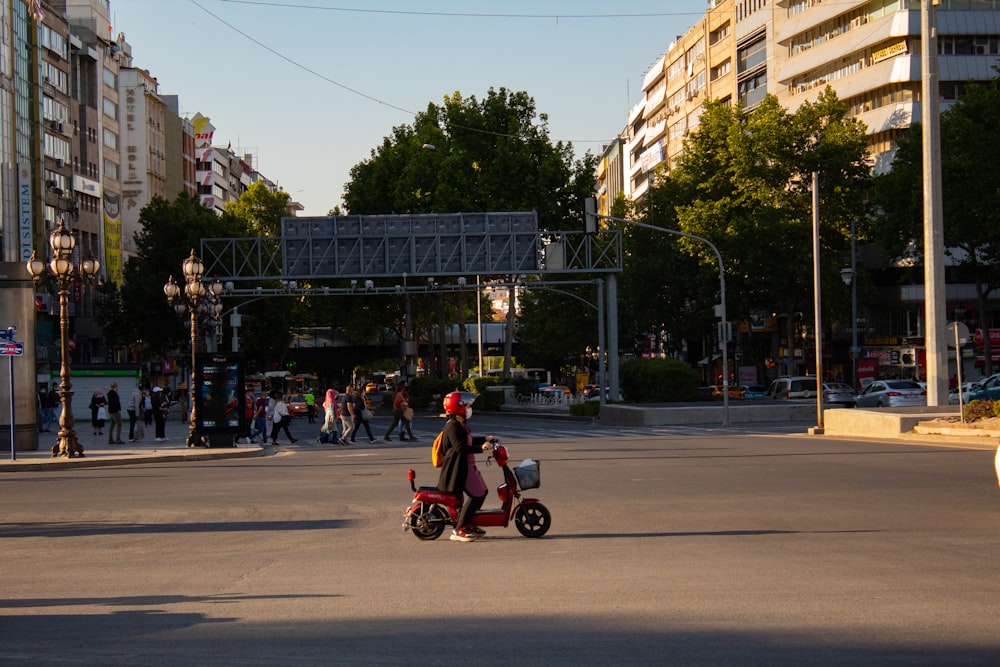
column 967, row 388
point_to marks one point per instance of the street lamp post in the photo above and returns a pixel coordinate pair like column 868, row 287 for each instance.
column 198, row 299
column 65, row 272
column 849, row 276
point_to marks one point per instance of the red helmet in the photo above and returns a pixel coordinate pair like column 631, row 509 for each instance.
column 456, row 402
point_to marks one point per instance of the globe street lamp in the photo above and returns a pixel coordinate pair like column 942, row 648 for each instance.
column 65, row 272
column 198, row 299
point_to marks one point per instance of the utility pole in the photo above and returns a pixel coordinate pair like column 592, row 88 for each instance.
column 934, row 285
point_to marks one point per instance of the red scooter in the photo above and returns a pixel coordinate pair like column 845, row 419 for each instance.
column 433, row 510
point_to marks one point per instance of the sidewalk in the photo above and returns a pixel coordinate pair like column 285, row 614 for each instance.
column 97, row 452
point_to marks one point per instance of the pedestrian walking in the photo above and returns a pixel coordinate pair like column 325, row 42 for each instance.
column 362, row 416
column 114, row 416
column 259, row 419
column 281, row 420
column 346, row 404
column 328, row 432
column 400, row 405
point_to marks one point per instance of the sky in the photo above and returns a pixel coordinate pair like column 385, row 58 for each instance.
column 311, row 87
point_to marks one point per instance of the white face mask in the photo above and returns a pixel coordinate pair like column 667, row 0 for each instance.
column 468, row 412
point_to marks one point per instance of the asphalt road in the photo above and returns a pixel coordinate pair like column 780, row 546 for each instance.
column 669, row 546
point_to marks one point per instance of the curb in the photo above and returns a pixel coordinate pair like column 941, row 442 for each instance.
column 122, row 459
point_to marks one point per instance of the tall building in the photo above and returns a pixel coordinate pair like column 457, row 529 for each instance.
column 181, row 163
column 696, row 67
column 867, row 51
column 144, row 139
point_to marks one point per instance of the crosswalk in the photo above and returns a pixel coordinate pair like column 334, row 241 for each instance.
column 507, row 428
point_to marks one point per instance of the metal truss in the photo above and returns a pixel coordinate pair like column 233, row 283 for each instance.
column 417, row 246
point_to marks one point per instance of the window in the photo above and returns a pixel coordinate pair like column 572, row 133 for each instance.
column 110, row 78
column 110, row 139
column 753, row 90
column 719, row 34
column 752, row 56
column 110, row 108
column 111, row 170
column 722, row 69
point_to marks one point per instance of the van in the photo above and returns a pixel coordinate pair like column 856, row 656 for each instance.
column 787, row 388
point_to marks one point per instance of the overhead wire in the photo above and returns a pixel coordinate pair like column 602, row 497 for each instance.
column 377, row 100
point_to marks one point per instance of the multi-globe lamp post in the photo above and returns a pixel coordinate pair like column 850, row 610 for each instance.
column 199, row 299
column 65, row 272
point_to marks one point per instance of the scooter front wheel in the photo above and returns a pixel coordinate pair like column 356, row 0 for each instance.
column 428, row 522
column 532, row 520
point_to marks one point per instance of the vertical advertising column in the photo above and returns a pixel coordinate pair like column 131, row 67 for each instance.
column 17, row 309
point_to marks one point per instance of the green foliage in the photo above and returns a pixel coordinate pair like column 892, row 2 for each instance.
column 478, row 385
column 658, row 381
column 259, row 210
column 169, row 231
column 556, row 324
column 585, row 409
column 465, row 154
column 490, row 154
column 426, row 392
column 489, row 401
column 744, row 184
column 970, row 196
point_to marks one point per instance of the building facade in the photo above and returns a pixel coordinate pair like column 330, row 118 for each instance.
column 867, row 51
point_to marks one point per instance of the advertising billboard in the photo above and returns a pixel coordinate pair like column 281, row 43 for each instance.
column 220, row 379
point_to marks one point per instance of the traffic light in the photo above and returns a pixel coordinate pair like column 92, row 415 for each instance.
column 590, row 215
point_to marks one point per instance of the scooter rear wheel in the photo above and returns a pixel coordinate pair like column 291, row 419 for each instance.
column 532, row 520
column 428, row 522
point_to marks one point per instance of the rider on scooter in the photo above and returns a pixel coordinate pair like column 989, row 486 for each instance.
column 459, row 472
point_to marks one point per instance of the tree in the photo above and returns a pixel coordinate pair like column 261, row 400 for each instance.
column 744, row 183
column 468, row 154
column 970, row 139
column 260, row 210
column 169, row 231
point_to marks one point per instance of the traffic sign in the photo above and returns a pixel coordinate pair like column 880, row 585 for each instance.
column 11, row 349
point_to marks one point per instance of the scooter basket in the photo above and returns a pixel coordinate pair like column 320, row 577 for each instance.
column 528, row 474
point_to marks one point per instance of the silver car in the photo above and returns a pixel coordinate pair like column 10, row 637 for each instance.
column 891, row 394
column 838, row 393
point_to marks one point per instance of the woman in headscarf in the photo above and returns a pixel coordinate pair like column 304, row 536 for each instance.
column 97, row 401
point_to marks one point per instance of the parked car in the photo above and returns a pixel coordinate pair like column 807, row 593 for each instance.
column 989, row 389
column 555, row 388
column 735, row 391
column 838, row 393
column 787, row 388
column 891, row 394
column 297, row 405
column 967, row 389
column 753, row 392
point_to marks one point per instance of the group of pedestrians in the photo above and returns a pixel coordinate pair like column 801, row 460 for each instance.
column 344, row 415
column 152, row 405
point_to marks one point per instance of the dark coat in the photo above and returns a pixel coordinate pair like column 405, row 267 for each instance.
column 114, row 402
column 95, row 403
column 456, row 445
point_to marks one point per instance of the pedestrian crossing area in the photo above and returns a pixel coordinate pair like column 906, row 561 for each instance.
column 512, row 429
